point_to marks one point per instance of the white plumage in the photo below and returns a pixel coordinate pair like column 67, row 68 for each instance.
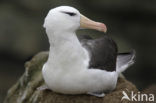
column 66, row 70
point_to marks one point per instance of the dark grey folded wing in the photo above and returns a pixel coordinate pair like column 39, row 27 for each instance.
column 102, row 51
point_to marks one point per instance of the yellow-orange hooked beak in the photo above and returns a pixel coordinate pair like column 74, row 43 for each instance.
column 90, row 24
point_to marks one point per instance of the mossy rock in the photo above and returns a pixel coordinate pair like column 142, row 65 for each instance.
column 25, row 90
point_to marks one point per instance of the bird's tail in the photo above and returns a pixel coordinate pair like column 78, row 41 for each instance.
column 125, row 60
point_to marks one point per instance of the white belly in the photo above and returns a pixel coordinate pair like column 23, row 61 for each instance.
column 66, row 71
column 80, row 82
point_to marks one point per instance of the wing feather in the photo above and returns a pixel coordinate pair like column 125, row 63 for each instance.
column 102, row 51
column 124, row 60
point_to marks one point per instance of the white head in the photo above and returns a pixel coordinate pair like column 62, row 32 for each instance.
column 69, row 19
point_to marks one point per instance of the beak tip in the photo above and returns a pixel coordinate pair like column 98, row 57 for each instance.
column 104, row 28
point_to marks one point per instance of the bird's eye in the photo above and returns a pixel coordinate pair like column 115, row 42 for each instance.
column 69, row 13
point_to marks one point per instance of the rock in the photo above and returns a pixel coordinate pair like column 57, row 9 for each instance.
column 25, row 90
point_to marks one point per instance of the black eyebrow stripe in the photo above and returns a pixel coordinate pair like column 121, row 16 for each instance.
column 69, row 13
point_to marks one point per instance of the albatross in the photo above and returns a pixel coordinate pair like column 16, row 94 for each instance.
column 85, row 65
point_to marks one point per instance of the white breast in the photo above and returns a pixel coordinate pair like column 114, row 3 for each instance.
column 66, row 70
